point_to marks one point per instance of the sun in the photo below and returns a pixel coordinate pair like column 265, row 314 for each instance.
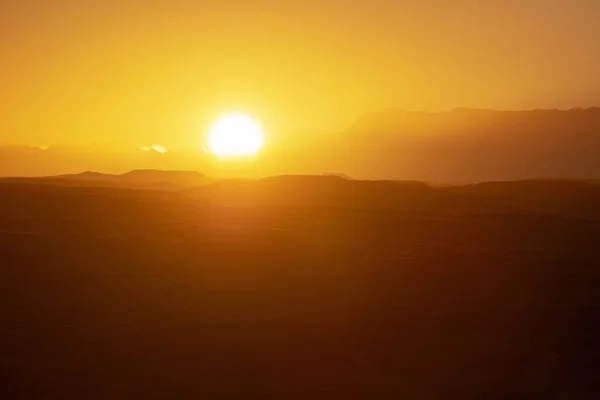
column 235, row 135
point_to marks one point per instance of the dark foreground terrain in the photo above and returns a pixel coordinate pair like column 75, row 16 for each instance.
column 300, row 288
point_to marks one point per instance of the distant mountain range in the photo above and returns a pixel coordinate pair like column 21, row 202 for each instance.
column 458, row 146
column 137, row 179
column 567, row 198
column 145, row 177
column 396, row 121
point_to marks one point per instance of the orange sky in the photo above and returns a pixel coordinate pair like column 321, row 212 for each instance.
column 142, row 72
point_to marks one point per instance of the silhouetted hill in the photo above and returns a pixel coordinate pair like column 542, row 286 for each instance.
column 553, row 197
column 89, row 176
column 66, row 182
column 183, row 178
column 118, row 293
column 157, row 178
column 321, row 191
column 567, row 198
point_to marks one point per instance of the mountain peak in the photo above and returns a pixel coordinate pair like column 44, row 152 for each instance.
column 145, row 177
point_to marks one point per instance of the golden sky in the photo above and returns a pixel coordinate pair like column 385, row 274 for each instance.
column 142, row 72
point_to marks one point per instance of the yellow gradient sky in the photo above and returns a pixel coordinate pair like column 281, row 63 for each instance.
column 143, row 72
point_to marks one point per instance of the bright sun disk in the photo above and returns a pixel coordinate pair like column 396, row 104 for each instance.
column 235, row 135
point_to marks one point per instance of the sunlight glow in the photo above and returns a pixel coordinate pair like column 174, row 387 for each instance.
column 159, row 148
column 155, row 147
column 235, row 135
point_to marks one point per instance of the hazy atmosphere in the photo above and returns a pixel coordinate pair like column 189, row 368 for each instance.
column 134, row 73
